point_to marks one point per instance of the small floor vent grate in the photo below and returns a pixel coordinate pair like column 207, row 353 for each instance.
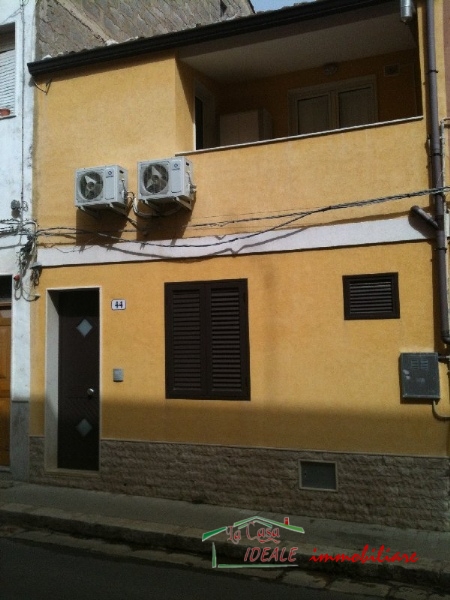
column 318, row 475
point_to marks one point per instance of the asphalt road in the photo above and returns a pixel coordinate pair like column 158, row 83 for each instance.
column 29, row 572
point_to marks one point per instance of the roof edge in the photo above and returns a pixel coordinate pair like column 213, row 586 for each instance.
column 205, row 33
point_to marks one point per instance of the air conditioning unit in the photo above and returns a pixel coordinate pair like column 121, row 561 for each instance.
column 166, row 180
column 101, row 187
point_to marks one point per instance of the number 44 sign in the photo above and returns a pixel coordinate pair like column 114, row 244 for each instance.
column 118, row 304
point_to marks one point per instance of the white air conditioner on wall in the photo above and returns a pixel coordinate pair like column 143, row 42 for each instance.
column 101, row 187
column 166, row 180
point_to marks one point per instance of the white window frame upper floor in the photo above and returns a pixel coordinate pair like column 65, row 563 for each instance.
column 7, row 71
column 326, row 106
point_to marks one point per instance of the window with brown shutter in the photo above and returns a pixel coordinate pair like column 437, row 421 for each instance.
column 371, row 296
column 7, row 71
column 207, row 342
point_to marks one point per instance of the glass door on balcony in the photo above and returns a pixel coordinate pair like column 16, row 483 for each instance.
column 355, row 107
column 205, row 135
column 326, row 107
column 314, row 114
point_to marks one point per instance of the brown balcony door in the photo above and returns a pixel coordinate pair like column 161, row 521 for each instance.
column 5, row 381
column 78, row 399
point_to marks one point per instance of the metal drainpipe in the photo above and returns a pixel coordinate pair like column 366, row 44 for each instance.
column 436, row 174
column 407, row 10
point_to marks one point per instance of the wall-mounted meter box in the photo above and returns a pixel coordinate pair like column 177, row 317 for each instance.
column 419, row 372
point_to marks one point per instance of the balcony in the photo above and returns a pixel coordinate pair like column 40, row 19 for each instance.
column 254, row 186
column 318, row 112
column 315, row 74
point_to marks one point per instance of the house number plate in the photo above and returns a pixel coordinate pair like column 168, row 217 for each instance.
column 118, row 304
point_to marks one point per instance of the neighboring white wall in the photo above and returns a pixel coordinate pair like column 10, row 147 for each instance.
column 16, row 133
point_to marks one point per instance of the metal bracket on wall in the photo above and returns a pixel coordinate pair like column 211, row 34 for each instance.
column 91, row 213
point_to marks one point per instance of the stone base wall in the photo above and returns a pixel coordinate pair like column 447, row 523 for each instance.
column 399, row 491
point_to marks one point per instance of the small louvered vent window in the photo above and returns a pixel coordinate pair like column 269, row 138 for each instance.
column 207, row 346
column 371, row 296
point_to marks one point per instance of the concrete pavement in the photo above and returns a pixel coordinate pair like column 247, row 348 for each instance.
column 153, row 524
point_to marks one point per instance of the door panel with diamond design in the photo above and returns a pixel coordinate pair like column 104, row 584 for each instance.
column 78, row 400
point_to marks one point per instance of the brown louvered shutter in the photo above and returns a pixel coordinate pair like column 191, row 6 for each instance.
column 371, row 296
column 228, row 348
column 207, row 352
column 184, row 332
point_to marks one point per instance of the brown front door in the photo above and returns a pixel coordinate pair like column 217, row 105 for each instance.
column 78, row 394
column 5, row 380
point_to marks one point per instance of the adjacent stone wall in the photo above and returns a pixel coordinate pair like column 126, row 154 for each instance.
column 74, row 25
column 400, row 491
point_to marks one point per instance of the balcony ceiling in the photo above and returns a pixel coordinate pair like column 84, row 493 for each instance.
column 304, row 45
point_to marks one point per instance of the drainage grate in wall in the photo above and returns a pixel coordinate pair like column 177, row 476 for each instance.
column 318, row 475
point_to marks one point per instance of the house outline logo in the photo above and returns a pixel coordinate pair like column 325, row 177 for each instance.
column 269, row 532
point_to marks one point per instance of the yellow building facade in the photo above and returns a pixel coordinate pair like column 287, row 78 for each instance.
column 268, row 334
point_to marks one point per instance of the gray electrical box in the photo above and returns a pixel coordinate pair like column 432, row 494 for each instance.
column 420, row 375
column 118, row 375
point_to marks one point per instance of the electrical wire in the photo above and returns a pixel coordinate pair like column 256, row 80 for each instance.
column 139, row 213
column 344, row 205
column 47, row 86
column 289, row 219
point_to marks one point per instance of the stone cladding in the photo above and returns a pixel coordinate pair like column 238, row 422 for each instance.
column 399, row 491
